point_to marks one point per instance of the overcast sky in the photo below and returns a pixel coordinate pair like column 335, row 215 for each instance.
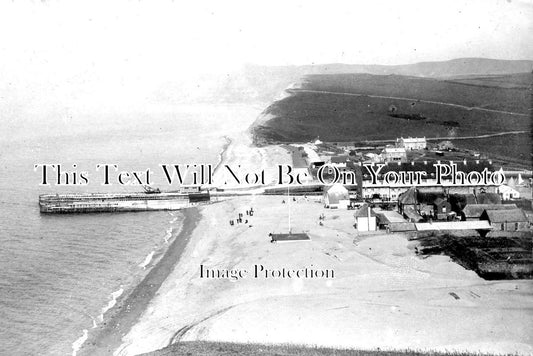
column 117, row 43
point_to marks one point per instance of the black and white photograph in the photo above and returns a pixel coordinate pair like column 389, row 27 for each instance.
column 273, row 178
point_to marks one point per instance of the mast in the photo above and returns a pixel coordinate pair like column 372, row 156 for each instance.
column 289, row 201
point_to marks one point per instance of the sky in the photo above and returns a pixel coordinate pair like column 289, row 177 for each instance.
column 103, row 47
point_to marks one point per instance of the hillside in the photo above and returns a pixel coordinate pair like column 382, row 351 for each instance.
column 267, row 83
column 362, row 107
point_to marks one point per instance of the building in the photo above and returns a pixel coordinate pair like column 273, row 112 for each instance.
column 339, row 161
column 190, row 188
column 474, row 211
column 336, row 197
column 390, row 220
column 412, row 143
column 394, row 154
column 422, row 175
column 506, row 220
column 299, row 164
column 365, row 219
column 442, row 208
column 508, row 193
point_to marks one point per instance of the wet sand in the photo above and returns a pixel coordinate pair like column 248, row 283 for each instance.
column 107, row 338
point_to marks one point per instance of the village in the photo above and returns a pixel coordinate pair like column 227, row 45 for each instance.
column 498, row 214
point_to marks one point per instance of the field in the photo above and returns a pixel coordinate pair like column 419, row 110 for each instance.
column 363, row 107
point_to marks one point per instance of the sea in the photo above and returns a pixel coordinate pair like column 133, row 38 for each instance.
column 60, row 274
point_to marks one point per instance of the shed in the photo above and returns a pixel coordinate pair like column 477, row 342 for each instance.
column 336, row 196
column 506, row 220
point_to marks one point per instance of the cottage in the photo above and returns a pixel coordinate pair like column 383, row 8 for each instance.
column 412, row 143
column 441, row 208
column 506, row 220
column 336, row 196
column 408, row 198
column 508, row 193
column 365, row 219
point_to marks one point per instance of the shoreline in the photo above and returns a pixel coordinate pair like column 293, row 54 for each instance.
column 125, row 314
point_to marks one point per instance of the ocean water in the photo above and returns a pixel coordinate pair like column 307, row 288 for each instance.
column 59, row 274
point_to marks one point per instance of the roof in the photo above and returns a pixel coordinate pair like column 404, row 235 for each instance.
column 454, row 225
column 408, row 197
column 475, row 210
column 488, row 198
column 394, row 150
column 400, row 227
column 440, row 201
column 428, row 167
column 289, row 237
column 413, row 139
column 298, row 161
column 390, row 217
column 412, row 214
column 336, row 193
column 500, row 216
column 340, row 159
column 362, row 212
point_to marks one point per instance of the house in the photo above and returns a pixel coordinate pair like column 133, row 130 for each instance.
column 394, row 154
column 441, row 208
column 508, row 193
column 474, row 211
column 336, row 196
column 365, row 219
column 412, row 143
column 506, row 220
column 408, row 198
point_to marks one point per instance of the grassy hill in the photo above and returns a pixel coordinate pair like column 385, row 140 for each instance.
column 266, row 83
column 361, row 107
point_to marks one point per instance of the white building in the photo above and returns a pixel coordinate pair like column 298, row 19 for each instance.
column 412, row 143
column 508, row 193
column 336, row 197
column 365, row 219
column 394, row 154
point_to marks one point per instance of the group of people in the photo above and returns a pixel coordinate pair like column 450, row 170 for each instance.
column 241, row 219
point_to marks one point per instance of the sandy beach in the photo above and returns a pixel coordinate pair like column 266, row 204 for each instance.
column 379, row 294
column 382, row 294
column 107, row 337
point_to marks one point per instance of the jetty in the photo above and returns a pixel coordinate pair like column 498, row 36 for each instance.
column 116, row 202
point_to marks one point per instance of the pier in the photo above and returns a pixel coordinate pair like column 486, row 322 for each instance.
column 116, row 202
